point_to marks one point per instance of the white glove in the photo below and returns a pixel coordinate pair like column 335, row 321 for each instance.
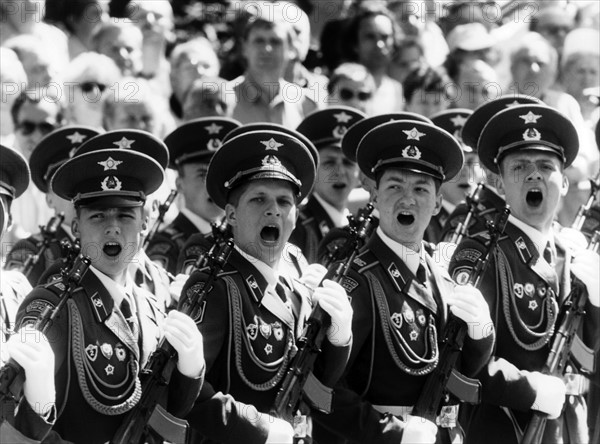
column 280, row 432
column 586, row 267
column 418, row 431
column 313, row 275
column 443, row 253
column 550, row 394
column 31, row 349
column 572, row 239
column 176, row 286
column 468, row 304
column 333, row 299
column 182, row 333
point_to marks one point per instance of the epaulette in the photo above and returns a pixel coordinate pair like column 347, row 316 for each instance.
column 304, row 219
column 364, row 261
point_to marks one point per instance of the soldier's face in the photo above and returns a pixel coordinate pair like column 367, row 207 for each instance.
column 263, row 219
column 533, row 183
column 110, row 237
column 406, row 202
column 455, row 190
column 191, row 183
column 337, row 176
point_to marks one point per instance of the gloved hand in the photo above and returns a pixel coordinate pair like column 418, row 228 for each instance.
column 418, row 431
column 468, row 304
column 313, row 275
column 585, row 266
column 31, row 349
column 182, row 333
column 280, row 432
column 572, row 239
column 176, row 287
column 333, row 299
column 550, row 394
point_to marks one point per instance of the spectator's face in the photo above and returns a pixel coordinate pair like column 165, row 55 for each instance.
column 86, row 106
column 133, row 115
column 34, row 121
column 337, row 176
column 407, row 60
column 154, row 18
column 191, row 183
column 375, row 42
column 554, row 26
column 192, row 66
column 477, row 85
column 427, row 103
column 124, row 46
column 204, row 103
column 581, row 72
column 267, row 49
column 533, row 70
column 359, row 95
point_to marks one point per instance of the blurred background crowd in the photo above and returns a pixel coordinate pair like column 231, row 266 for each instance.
column 155, row 64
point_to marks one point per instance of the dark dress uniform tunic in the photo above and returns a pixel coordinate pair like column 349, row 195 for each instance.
column 165, row 247
column 395, row 326
column 97, row 360
column 24, row 248
column 524, row 293
column 313, row 224
column 249, row 337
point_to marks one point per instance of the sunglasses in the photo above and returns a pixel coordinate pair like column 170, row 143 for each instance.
column 348, row 94
column 88, row 87
column 27, row 127
column 556, row 29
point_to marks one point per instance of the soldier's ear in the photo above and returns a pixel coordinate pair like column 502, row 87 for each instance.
column 565, row 186
column 230, row 215
column 438, row 204
column 75, row 226
column 145, row 230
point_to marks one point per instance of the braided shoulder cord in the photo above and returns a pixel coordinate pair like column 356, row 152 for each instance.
column 236, row 308
column 509, row 307
column 79, row 360
column 431, row 363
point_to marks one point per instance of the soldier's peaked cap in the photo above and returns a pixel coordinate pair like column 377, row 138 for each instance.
column 527, row 127
column 357, row 131
column 477, row 120
column 260, row 155
column 14, row 173
column 129, row 139
column 453, row 120
column 54, row 150
column 326, row 127
column 110, row 177
column 198, row 139
column 411, row 145
column 268, row 126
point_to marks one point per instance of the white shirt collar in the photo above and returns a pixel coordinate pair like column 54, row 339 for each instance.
column 339, row 218
column 200, row 223
column 410, row 257
column 270, row 274
column 538, row 238
column 116, row 290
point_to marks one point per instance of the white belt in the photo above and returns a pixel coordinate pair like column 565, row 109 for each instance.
column 447, row 418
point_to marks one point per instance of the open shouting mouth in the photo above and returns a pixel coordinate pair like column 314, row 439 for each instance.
column 405, row 218
column 112, row 249
column 270, row 234
column 534, row 197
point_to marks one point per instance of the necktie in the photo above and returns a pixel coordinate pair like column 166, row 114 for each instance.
column 128, row 315
column 548, row 254
column 422, row 274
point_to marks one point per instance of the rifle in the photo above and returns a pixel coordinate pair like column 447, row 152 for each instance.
column 48, row 232
column 12, row 375
column 299, row 377
column 338, row 251
column 566, row 343
column 162, row 210
column 584, row 209
column 221, row 232
column 445, row 378
column 148, row 417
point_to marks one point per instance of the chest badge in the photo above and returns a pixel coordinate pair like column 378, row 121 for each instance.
column 106, row 350
column 91, row 352
column 396, row 319
column 265, row 329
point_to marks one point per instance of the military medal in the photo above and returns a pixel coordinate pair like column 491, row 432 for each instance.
column 268, row 349
column 278, row 331
column 252, row 330
column 92, row 352
column 109, row 369
column 396, row 319
column 414, row 335
column 120, row 352
column 106, row 350
column 533, row 305
column 529, row 289
column 518, row 290
column 265, row 329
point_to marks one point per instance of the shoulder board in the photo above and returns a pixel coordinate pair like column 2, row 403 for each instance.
column 159, row 248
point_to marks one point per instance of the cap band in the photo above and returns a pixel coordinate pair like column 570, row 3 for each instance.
column 263, row 172
column 556, row 149
column 420, row 166
column 5, row 188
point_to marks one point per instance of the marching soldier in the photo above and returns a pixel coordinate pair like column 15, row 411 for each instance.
column 455, row 191
column 529, row 147
column 191, row 147
column 110, row 326
column 253, row 313
column 401, row 297
column 489, row 200
column 337, row 176
column 50, row 153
